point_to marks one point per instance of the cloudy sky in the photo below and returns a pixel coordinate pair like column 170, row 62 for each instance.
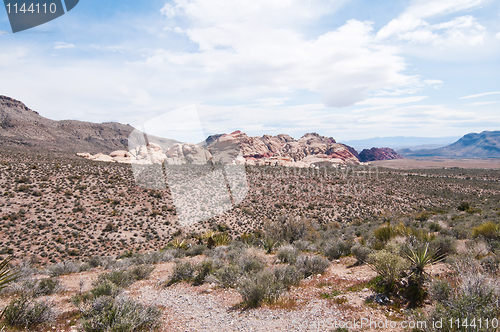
column 350, row 69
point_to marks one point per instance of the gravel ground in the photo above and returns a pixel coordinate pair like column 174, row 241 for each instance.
column 211, row 311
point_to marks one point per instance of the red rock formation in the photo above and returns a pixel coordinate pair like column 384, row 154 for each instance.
column 378, row 154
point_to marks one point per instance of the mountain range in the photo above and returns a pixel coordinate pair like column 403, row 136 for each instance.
column 482, row 145
column 21, row 127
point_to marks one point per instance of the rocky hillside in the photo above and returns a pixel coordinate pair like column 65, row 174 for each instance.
column 239, row 148
column 23, row 127
column 375, row 154
column 482, row 145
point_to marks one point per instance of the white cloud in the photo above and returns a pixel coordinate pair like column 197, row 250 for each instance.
column 480, row 95
column 483, row 103
column 62, row 45
column 2, row 32
column 498, row 35
column 410, row 26
column 253, row 48
column 390, row 101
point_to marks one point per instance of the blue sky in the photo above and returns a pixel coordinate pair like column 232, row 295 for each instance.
column 350, row 69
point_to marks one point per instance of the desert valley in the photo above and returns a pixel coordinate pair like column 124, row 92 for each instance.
column 313, row 236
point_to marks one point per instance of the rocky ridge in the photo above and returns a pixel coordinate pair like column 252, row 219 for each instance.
column 375, row 154
column 239, row 148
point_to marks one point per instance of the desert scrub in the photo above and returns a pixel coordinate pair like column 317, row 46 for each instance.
column 488, row 230
column 263, row 286
column 336, row 249
column 287, row 254
column 389, row 266
column 309, row 265
column 476, row 296
column 27, row 313
column 119, row 314
column 183, row 271
column 361, row 253
column 140, row 272
column 66, row 267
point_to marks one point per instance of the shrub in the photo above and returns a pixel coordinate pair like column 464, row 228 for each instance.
column 26, row 313
column 250, row 263
column 287, row 275
column 183, row 271
column 122, row 314
column 491, row 264
column 228, row 275
column 440, row 290
column 476, row 297
column 63, row 268
column 361, row 253
column 488, row 230
column 435, row 227
column 383, row 233
column 390, row 267
column 196, row 250
column 464, row 206
column 287, row 254
column 47, row 286
column 104, row 287
column 259, row 288
column 140, row 272
column 309, row 265
column 337, row 249
column 120, row 278
column 203, row 270
column 444, row 246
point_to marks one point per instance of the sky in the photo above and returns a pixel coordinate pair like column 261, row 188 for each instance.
column 348, row 69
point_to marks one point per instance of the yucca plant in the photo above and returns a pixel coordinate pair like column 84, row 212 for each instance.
column 269, row 244
column 178, row 244
column 420, row 257
column 208, row 236
column 222, row 239
column 6, row 276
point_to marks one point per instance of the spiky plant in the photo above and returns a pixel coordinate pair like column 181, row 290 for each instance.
column 222, row 239
column 269, row 244
column 6, row 276
column 178, row 244
column 420, row 257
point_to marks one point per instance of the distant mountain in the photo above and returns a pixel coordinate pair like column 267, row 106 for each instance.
column 21, row 126
column 401, row 142
column 483, row 145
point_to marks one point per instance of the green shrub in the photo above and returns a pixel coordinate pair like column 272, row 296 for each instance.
column 47, row 286
column 183, row 271
column 121, row 315
column 488, row 230
column 228, row 275
column 105, row 287
column 337, row 249
column 383, row 233
column 264, row 286
column 361, row 253
column 202, row 271
column 444, row 246
column 120, row 278
column 287, row 254
column 464, row 206
column 26, row 313
column 140, row 272
column 287, row 275
column 250, row 263
column 309, row 265
column 475, row 297
column 390, row 267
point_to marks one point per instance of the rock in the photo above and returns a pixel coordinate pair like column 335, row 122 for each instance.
column 375, row 154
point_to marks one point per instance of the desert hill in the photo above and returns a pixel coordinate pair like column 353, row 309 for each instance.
column 473, row 145
column 22, row 127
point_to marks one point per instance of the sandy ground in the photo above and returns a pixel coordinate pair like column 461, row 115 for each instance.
column 208, row 308
column 422, row 163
